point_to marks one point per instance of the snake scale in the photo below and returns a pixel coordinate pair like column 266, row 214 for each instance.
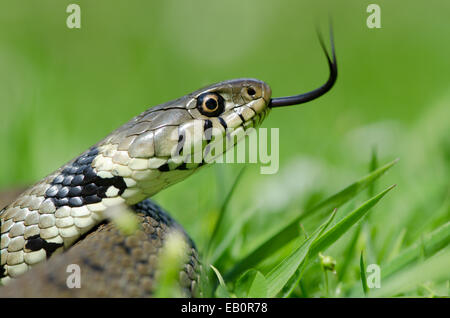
column 62, row 219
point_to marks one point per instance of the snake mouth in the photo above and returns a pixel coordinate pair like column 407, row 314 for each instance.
column 306, row 97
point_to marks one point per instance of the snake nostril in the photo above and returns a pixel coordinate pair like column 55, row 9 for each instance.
column 251, row 91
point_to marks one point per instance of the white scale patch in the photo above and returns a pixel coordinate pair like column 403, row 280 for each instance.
column 112, row 191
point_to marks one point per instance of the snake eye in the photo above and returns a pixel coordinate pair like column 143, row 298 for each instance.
column 210, row 104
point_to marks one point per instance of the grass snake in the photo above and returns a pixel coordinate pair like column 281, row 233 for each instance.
column 62, row 219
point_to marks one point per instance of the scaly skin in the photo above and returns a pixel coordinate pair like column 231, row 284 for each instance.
column 111, row 263
column 131, row 164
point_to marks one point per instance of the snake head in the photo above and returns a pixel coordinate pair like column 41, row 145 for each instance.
column 232, row 104
column 188, row 124
column 168, row 142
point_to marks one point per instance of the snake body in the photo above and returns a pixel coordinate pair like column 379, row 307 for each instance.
column 131, row 164
column 112, row 264
column 161, row 146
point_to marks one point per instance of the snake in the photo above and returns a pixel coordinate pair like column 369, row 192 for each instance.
column 62, row 219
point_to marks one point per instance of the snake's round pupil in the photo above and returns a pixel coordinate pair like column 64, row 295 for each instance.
column 251, row 91
column 211, row 104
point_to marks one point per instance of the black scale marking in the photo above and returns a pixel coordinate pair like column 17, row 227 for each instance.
column 156, row 212
column 207, row 128
column 241, row 117
column 180, row 145
column 78, row 184
column 164, row 167
column 223, row 123
column 150, row 208
column 35, row 243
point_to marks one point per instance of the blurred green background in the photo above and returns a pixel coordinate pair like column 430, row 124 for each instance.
column 62, row 90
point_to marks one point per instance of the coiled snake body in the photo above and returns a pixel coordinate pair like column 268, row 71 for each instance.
column 66, row 211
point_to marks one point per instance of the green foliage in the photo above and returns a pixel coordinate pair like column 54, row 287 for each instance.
column 284, row 278
column 291, row 231
column 280, row 275
column 252, row 284
column 362, row 265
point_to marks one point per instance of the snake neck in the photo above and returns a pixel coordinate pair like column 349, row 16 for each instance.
column 54, row 213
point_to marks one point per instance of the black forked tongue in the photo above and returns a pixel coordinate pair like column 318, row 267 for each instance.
column 306, row 97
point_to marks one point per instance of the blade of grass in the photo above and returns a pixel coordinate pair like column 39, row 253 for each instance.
column 432, row 243
column 278, row 277
column 223, row 209
column 362, row 268
column 303, row 289
column 397, row 245
column 251, row 284
column 351, row 191
column 295, row 281
column 291, row 231
column 222, row 289
column 434, row 268
column 220, row 249
column 342, row 271
column 373, row 166
column 340, row 228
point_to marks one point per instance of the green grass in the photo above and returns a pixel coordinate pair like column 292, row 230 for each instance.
column 63, row 90
column 246, row 278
